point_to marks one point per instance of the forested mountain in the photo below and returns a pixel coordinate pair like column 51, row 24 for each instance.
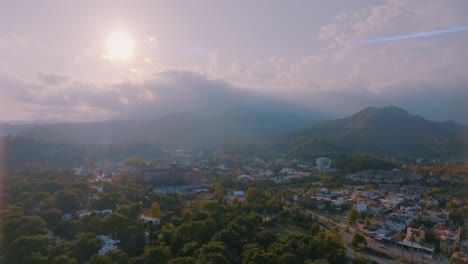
column 172, row 131
column 18, row 151
column 388, row 131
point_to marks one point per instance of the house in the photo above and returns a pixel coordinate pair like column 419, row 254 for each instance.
column 245, row 178
column 361, row 207
column 449, row 236
column 398, row 222
column 107, row 244
column 373, row 207
column 104, row 213
column 413, row 189
column 439, row 229
column 67, row 217
column 416, row 234
column 81, row 212
column 148, row 220
column 287, row 171
column 439, row 217
column 390, row 188
column 425, row 215
column 239, row 194
column 378, row 220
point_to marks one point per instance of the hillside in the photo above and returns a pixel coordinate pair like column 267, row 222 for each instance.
column 171, row 131
column 19, row 151
column 386, row 131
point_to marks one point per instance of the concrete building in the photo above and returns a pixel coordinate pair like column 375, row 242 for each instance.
column 174, row 174
column 323, row 164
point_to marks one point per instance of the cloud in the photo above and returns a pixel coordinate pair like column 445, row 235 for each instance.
column 52, row 79
column 213, row 64
column 151, row 60
column 166, row 92
column 384, row 70
column 344, row 78
column 194, row 49
column 152, row 42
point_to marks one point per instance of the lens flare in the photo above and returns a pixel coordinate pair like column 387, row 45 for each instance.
column 410, row 36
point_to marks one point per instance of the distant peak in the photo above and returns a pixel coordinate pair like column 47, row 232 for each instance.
column 394, row 109
column 388, row 109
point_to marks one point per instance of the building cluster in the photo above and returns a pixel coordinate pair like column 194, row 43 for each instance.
column 394, row 176
column 391, row 212
column 277, row 171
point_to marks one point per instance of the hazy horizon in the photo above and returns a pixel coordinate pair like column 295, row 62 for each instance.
column 87, row 61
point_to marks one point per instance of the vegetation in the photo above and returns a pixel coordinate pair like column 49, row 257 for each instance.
column 192, row 230
column 365, row 162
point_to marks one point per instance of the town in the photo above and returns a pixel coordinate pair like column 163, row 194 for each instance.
column 415, row 211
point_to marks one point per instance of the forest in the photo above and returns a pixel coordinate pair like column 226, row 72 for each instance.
column 195, row 228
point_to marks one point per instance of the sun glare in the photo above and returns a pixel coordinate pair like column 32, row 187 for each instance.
column 119, row 47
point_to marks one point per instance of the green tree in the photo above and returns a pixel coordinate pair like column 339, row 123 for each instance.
column 155, row 210
column 352, row 216
column 156, row 255
column 212, row 252
column 219, row 192
column 67, row 229
column 85, row 246
column 456, row 217
column 118, row 256
column 67, row 201
column 29, row 249
column 363, row 260
column 63, row 259
column 358, row 242
column 256, row 198
column 367, row 222
column 136, row 162
column 265, row 238
column 52, row 217
column 254, row 254
column 98, row 259
column 24, row 226
column 317, row 261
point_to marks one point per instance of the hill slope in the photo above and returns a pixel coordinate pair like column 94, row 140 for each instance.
column 174, row 130
column 388, row 131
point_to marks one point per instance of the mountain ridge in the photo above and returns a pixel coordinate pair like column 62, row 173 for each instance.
column 177, row 130
column 388, row 130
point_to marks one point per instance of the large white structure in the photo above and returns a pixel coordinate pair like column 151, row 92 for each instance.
column 323, row 164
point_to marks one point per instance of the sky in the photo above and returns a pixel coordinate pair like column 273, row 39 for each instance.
column 333, row 57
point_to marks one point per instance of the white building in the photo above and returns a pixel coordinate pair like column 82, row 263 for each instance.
column 323, row 164
column 104, row 213
column 108, row 244
column 239, row 194
column 148, row 220
column 67, row 217
column 361, row 207
column 287, row 171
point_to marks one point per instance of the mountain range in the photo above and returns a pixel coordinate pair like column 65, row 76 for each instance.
column 385, row 131
column 180, row 130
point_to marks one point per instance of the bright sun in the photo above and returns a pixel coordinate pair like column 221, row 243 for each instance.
column 119, row 47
